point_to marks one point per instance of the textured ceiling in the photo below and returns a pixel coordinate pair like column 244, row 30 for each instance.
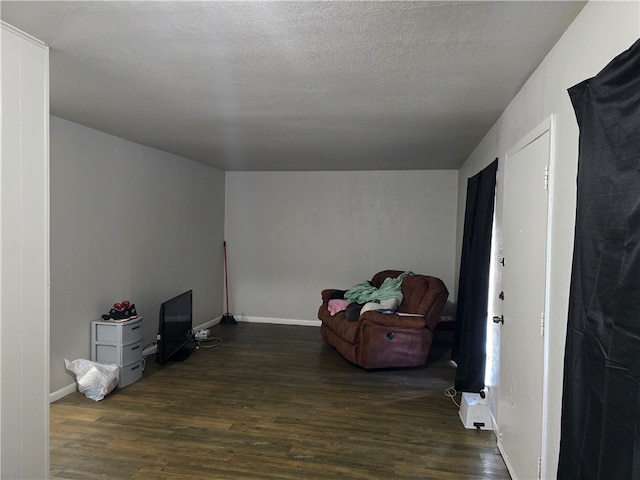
column 293, row 85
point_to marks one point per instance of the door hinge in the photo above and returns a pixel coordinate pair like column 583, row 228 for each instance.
column 546, row 177
column 539, row 469
column 542, row 324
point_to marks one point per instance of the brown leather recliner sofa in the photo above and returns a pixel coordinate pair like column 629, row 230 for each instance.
column 379, row 340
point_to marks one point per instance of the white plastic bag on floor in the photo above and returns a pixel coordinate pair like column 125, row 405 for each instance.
column 95, row 380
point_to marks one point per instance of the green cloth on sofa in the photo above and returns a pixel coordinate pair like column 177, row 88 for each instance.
column 364, row 292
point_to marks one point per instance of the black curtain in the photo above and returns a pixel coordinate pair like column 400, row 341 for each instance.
column 469, row 349
column 600, row 427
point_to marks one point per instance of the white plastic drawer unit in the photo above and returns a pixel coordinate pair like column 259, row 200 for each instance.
column 120, row 333
column 119, row 343
column 130, row 373
column 122, row 355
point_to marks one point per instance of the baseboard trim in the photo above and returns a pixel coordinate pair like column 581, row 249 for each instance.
column 63, row 392
column 278, row 321
column 210, row 323
column 505, row 457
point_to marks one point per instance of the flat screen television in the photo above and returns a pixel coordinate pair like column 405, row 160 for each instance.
column 175, row 329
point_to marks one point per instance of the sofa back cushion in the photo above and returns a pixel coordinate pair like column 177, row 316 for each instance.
column 423, row 294
column 414, row 289
column 379, row 277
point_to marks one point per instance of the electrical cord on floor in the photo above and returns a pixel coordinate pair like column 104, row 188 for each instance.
column 451, row 392
column 215, row 341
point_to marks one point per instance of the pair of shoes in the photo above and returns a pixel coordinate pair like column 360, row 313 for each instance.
column 121, row 311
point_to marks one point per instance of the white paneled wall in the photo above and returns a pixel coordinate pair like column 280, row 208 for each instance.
column 24, row 246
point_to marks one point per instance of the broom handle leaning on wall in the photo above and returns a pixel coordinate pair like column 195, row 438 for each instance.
column 226, row 284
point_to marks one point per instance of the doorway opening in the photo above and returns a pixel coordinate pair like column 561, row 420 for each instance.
column 492, row 368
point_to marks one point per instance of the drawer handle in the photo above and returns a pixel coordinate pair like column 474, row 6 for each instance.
column 136, row 327
column 135, row 348
column 137, row 366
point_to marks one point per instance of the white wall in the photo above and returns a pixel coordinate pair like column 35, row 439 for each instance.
column 127, row 222
column 291, row 234
column 602, row 31
column 24, row 248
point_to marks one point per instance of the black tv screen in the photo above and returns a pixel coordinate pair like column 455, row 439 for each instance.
column 175, row 328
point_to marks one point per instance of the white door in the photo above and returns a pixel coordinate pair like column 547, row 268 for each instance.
column 520, row 406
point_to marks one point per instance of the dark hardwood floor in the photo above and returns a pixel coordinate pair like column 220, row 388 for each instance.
column 273, row 402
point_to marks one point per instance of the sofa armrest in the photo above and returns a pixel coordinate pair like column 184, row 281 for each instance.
column 327, row 293
column 393, row 319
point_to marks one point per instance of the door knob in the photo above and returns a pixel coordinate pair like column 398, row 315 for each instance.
column 499, row 319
